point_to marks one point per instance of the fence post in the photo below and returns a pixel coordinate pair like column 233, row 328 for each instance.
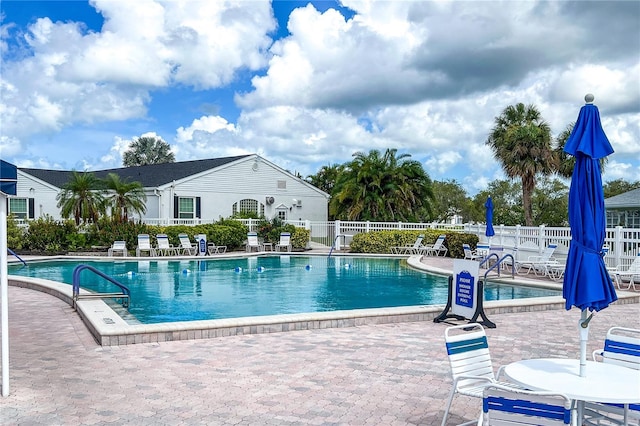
column 501, row 227
column 336, row 240
column 617, row 242
column 541, row 239
column 367, row 227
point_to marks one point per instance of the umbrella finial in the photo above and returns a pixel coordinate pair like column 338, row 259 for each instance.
column 588, row 98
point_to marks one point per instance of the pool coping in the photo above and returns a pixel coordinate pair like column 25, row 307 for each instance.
column 109, row 329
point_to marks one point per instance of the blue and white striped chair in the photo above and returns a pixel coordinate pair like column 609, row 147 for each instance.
column 470, row 361
column 503, row 405
column 621, row 347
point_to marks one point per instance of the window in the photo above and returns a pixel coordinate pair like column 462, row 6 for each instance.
column 282, row 184
column 21, row 208
column 282, row 213
column 186, row 207
column 248, row 205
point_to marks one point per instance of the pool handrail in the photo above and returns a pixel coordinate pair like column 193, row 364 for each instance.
column 125, row 295
column 18, row 257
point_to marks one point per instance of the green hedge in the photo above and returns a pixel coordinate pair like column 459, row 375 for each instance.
column 382, row 241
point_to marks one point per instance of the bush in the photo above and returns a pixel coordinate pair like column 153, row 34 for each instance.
column 107, row 231
column 300, row 237
column 382, row 241
column 48, row 235
column 15, row 234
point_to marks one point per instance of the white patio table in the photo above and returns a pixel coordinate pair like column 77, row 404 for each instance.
column 603, row 382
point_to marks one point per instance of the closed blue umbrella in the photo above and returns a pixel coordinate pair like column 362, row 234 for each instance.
column 587, row 284
column 489, row 232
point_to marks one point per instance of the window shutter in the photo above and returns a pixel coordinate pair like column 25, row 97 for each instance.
column 175, row 206
column 32, row 203
column 198, row 215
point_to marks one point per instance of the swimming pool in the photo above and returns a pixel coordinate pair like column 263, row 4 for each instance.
column 187, row 290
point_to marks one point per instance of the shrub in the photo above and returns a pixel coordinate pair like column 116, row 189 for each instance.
column 48, row 235
column 382, row 241
column 300, row 237
column 107, row 231
column 15, row 234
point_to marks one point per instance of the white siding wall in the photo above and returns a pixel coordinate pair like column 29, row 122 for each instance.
column 44, row 196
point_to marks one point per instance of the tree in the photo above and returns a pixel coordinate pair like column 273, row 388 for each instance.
column 81, row 198
column 565, row 162
column 450, row 199
column 551, row 202
column 147, row 150
column 507, row 203
column 326, row 177
column 123, row 197
column 521, row 141
column 382, row 187
column 619, row 186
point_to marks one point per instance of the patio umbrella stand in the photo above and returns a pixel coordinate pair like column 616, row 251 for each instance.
column 587, row 284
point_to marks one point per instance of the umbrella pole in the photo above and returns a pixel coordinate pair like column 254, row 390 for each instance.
column 583, row 326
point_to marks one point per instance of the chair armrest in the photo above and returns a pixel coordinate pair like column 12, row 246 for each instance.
column 597, row 353
column 534, row 258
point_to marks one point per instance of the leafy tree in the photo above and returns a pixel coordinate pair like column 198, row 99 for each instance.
column 450, row 199
column 521, row 141
column 81, row 198
column 123, row 197
column 326, row 177
column 507, row 203
column 551, row 202
column 147, row 150
column 619, row 186
column 381, row 187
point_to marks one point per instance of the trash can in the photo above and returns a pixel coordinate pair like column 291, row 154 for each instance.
column 202, row 244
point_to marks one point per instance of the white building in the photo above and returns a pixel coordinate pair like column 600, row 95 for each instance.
column 189, row 192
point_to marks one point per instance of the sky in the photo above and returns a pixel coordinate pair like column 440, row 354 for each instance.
column 308, row 84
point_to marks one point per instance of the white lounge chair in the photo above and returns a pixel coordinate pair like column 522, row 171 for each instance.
column 632, row 273
column 539, row 264
column 502, row 405
column 621, row 347
column 253, row 243
column 412, row 249
column 144, row 245
column 164, row 247
column 185, row 245
column 212, row 248
column 470, row 361
column 436, row 249
column 473, row 254
column 118, row 247
column 285, row 241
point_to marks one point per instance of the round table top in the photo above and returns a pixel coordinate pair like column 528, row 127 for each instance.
column 603, row 382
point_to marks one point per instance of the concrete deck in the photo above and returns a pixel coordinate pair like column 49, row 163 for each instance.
column 384, row 374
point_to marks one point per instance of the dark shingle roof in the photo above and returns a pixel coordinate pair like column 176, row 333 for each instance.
column 629, row 199
column 152, row 175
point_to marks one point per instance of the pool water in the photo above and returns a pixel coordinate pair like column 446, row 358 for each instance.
column 187, row 290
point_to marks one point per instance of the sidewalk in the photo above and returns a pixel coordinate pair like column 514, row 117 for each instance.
column 391, row 374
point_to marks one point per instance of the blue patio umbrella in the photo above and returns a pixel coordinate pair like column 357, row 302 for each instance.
column 587, row 284
column 489, row 232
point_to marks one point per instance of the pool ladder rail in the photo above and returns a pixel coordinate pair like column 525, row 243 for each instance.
column 496, row 265
column 124, row 294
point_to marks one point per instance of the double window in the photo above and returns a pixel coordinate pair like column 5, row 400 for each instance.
column 186, row 207
column 21, row 208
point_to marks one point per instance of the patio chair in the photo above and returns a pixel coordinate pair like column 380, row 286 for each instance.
column 118, row 247
column 185, row 245
column 144, row 245
column 503, row 405
column 472, row 254
column 436, row 248
column 632, row 273
column 412, row 249
column 285, row 241
column 163, row 247
column 539, row 264
column 212, row 248
column 470, row 361
column 621, row 347
column 253, row 243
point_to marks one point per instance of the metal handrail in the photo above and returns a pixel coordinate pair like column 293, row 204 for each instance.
column 498, row 263
column 125, row 295
column 18, row 257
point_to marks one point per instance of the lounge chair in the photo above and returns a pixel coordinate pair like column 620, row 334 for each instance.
column 185, row 245
column 539, row 264
column 503, row 405
column 470, row 361
column 253, row 243
column 632, row 273
column 621, row 347
column 473, row 254
column 436, row 249
column 413, row 249
column 212, row 248
column 144, row 245
column 118, row 247
column 285, row 241
column 164, row 248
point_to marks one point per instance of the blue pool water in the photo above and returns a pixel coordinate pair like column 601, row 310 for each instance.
column 166, row 291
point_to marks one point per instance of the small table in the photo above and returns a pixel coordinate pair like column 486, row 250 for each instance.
column 267, row 245
column 603, row 382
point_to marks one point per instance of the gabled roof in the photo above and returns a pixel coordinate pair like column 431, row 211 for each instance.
column 629, row 199
column 152, row 175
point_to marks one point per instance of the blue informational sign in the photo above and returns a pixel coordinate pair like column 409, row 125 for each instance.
column 465, row 288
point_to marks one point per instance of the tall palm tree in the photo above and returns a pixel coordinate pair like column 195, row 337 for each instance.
column 521, row 141
column 81, row 198
column 147, row 150
column 379, row 186
column 124, row 197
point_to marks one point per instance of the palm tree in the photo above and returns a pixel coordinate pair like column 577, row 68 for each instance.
column 147, row 150
column 566, row 162
column 381, row 187
column 521, row 141
column 124, row 197
column 80, row 198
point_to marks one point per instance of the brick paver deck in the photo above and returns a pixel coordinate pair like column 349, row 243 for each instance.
column 391, row 374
